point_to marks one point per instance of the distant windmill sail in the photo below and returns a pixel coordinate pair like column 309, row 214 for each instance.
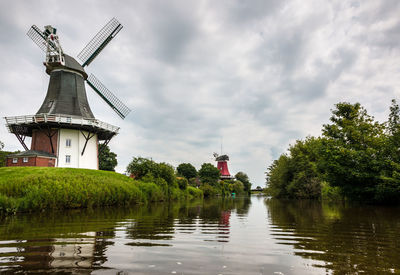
column 120, row 108
column 98, row 43
column 40, row 39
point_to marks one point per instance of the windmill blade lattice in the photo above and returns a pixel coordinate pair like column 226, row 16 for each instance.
column 97, row 44
column 39, row 38
column 120, row 108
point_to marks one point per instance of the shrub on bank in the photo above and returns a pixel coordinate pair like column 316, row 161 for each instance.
column 194, row 192
column 329, row 193
column 208, row 190
column 152, row 192
column 182, row 183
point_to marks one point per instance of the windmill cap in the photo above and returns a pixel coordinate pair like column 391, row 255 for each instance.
column 70, row 64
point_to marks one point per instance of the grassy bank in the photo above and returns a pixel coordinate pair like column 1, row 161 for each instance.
column 38, row 188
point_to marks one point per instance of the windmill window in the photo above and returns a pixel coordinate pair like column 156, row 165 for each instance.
column 25, row 159
column 68, row 142
column 15, row 160
column 67, row 159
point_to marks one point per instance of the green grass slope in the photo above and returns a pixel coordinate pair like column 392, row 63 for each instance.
column 37, row 188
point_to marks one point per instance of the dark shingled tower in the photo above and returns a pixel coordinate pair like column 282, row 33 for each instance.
column 66, row 94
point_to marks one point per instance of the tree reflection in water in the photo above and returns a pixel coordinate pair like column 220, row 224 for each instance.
column 77, row 241
column 348, row 239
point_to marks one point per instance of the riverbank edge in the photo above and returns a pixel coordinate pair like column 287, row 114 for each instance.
column 26, row 189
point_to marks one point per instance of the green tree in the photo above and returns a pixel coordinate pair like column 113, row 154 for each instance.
column 166, row 172
column 107, row 159
column 186, row 170
column 208, row 173
column 357, row 158
column 182, row 183
column 278, row 177
column 388, row 189
column 149, row 170
column 352, row 151
column 139, row 167
column 242, row 177
column 394, row 118
column 238, row 187
column 393, row 132
column 306, row 180
column 296, row 175
column 3, row 155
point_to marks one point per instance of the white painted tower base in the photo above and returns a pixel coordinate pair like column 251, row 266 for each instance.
column 70, row 146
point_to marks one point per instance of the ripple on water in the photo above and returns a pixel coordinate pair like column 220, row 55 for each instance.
column 210, row 237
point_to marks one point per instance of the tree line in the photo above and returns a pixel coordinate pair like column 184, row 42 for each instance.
column 355, row 158
column 207, row 178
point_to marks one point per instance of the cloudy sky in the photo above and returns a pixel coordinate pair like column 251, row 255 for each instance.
column 256, row 75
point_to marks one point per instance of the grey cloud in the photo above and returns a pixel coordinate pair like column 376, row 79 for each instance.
column 194, row 72
column 389, row 38
column 312, row 88
column 172, row 26
column 380, row 11
column 242, row 12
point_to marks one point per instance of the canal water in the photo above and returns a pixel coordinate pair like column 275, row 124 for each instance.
column 253, row 235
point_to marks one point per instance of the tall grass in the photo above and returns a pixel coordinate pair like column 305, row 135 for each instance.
column 37, row 188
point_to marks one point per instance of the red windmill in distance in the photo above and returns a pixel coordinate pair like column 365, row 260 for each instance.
column 222, row 165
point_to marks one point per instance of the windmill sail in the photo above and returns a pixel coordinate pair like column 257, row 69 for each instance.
column 40, row 39
column 120, row 108
column 98, row 43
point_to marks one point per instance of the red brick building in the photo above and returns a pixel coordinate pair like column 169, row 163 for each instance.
column 31, row 158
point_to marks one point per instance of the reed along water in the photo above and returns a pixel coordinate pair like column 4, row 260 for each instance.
column 253, row 235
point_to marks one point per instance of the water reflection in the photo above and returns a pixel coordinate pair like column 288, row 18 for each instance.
column 231, row 236
column 347, row 240
column 81, row 241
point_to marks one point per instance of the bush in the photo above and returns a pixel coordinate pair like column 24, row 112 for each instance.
column 208, row 190
column 388, row 190
column 150, row 170
column 242, row 177
column 194, row 192
column 152, row 191
column 139, row 167
column 194, row 182
column 330, row 193
column 238, row 188
column 182, row 183
column 176, row 193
